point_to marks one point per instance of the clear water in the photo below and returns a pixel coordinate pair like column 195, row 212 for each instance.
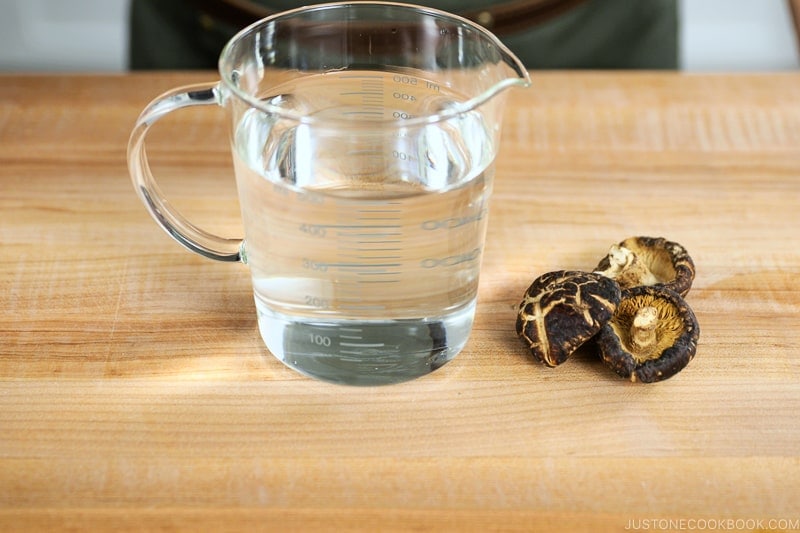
column 364, row 242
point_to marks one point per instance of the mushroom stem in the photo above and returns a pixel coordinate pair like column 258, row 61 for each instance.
column 618, row 259
column 628, row 268
column 643, row 332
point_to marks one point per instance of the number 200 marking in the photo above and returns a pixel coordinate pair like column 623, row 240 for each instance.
column 317, row 266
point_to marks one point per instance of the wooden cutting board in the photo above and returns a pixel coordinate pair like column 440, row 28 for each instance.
column 135, row 393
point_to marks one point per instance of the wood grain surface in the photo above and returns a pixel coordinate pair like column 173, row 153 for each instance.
column 136, row 395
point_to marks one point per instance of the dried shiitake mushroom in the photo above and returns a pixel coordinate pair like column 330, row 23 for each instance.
column 561, row 310
column 649, row 261
column 652, row 335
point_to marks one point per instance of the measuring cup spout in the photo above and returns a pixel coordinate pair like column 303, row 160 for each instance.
column 519, row 74
column 501, row 70
column 518, row 77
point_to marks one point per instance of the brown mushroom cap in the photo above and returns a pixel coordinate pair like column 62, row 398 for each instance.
column 652, row 335
column 649, row 261
column 563, row 309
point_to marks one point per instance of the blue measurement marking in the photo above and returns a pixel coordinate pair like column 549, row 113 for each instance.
column 368, row 238
column 361, row 308
column 365, row 152
column 360, row 238
column 362, row 226
column 351, row 352
column 366, row 204
column 348, row 251
column 367, row 113
column 362, row 265
column 368, row 245
column 363, row 344
column 369, row 248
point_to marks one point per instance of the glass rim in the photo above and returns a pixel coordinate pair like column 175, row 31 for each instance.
column 226, row 70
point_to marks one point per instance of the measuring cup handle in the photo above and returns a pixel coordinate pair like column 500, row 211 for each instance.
column 176, row 226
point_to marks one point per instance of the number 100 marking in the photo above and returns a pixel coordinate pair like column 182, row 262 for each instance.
column 320, row 340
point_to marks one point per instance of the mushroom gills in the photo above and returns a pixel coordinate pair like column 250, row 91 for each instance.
column 658, row 327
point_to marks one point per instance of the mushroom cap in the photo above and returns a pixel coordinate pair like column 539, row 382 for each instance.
column 655, row 261
column 563, row 309
column 676, row 334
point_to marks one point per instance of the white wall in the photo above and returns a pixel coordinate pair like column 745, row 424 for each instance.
column 69, row 35
column 724, row 35
column 63, row 35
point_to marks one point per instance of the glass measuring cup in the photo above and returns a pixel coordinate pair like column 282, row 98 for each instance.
column 363, row 136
